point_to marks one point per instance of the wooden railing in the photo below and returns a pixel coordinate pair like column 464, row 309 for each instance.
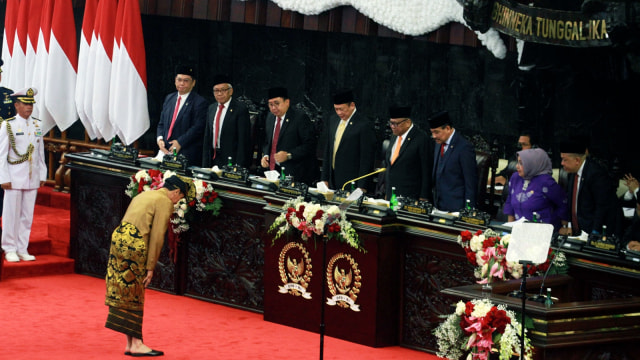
column 58, row 175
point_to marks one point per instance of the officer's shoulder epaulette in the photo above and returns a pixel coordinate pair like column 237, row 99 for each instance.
column 35, row 118
column 9, row 119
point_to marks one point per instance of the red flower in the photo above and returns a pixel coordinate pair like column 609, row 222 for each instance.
column 471, row 256
column 466, row 235
column 192, row 203
column 334, row 228
column 318, row 215
column 214, row 195
column 490, row 242
column 204, row 200
column 500, row 320
column 468, row 308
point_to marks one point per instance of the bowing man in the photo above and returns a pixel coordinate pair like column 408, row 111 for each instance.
column 408, row 160
column 454, row 170
column 349, row 144
column 228, row 130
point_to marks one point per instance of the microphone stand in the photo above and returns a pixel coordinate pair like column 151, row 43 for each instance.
column 523, row 289
column 364, row 176
column 322, row 296
column 541, row 298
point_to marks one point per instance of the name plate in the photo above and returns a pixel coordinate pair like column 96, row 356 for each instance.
column 235, row 174
column 412, row 207
column 602, row 244
column 176, row 163
column 475, row 217
column 123, row 153
column 292, row 188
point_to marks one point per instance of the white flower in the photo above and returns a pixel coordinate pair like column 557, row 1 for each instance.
column 142, row 174
column 476, row 243
column 481, row 308
column 460, row 308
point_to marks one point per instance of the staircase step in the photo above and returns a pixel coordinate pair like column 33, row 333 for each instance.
column 43, row 265
column 59, row 235
column 39, row 246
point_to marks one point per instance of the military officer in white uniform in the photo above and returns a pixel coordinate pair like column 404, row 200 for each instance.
column 22, row 172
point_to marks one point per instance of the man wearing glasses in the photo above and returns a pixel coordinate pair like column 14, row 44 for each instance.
column 454, row 170
column 228, row 130
column 183, row 118
column 408, row 158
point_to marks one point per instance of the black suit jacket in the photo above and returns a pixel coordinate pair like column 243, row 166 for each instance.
column 189, row 125
column 455, row 175
column 7, row 109
column 356, row 152
column 296, row 137
column 597, row 202
column 235, row 136
column 410, row 174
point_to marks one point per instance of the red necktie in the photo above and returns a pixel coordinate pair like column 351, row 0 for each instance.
column 274, row 143
column 574, row 209
column 173, row 119
column 217, row 130
column 442, row 150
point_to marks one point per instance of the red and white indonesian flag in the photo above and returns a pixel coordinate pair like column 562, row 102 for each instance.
column 16, row 75
column 8, row 38
column 39, row 78
column 100, row 55
column 82, row 83
column 62, row 67
column 128, row 100
column 33, row 28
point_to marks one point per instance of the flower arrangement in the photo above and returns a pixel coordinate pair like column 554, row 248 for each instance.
column 312, row 219
column 487, row 252
column 202, row 196
column 479, row 328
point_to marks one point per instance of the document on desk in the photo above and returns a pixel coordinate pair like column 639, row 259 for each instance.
column 511, row 223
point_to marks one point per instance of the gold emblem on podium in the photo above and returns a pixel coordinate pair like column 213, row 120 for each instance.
column 294, row 265
column 344, row 281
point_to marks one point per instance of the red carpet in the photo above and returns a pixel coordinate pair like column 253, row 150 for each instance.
column 62, row 317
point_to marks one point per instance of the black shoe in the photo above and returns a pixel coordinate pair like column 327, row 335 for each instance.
column 150, row 353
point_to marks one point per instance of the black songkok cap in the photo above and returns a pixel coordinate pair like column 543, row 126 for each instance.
column 344, row 96
column 186, row 70
column 278, row 92
column 574, row 146
column 175, row 182
column 221, row 79
column 399, row 112
column 439, row 119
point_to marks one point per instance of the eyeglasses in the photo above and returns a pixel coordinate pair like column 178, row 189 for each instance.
column 395, row 124
column 220, row 91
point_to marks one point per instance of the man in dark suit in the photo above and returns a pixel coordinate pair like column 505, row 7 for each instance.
column 228, row 130
column 290, row 141
column 590, row 191
column 349, row 145
column 183, row 118
column 454, row 171
column 408, row 159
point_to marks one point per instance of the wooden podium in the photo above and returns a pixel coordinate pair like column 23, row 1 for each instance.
column 367, row 315
column 572, row 328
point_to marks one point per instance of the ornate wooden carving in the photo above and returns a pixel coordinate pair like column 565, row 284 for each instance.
column 425, row 275
column 226, row 259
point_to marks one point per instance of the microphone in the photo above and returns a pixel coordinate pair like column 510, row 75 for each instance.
column 540, row 297
column 364, row 176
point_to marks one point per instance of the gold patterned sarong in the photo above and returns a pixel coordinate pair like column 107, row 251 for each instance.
column 126, row 268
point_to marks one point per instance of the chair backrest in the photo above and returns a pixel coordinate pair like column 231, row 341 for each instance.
column 486, row 164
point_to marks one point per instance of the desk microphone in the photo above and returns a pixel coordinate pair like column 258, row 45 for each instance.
column 364, row 176
column 540, row 297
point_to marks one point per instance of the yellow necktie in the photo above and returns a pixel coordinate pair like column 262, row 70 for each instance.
column 336, row 143
column 397, row 150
